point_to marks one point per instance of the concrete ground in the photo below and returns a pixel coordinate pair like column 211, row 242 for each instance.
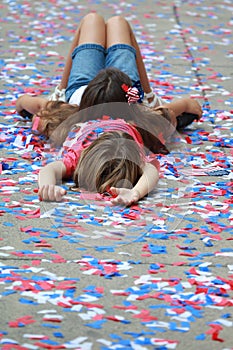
column 81, row 274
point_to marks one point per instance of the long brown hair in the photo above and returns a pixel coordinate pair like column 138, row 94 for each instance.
column 113, row 159
column 96, row 101
column 53, row 114
column 105, row 88
column 154, row 126
column 104, row 96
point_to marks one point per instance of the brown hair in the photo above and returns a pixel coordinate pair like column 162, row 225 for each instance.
column 113, row 159
column 154, row 126
column 105, row 90
column 104, row 96
column 105, row 87
column 53, row 114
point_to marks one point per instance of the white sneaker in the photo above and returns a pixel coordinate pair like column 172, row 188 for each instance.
column 58, row 95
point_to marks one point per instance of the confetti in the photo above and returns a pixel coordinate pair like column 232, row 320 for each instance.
column 81, row 274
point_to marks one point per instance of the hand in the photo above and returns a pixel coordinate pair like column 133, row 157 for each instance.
column 51, row 193
column 124, row 196
column 192, row 106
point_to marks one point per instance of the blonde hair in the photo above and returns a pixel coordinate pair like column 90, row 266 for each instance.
column 113, row 159
column 53, row 114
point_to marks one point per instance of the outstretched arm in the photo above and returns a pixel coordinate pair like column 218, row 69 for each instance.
column 145, row 184
column 49, row 177
column 140, row 64
column 185, row 104
column 150, row 98
column 148, row 93
column 31, row 104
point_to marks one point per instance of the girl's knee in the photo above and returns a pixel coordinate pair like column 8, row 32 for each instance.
column 92, row 18
column 116, row 21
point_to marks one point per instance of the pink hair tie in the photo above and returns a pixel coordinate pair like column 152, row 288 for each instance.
column 35, row 124
column 132, row 93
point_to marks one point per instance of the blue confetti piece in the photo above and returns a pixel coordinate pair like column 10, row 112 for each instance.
column 97, row 324
column 8, row 224
column 49, row 342
column 48, row 325
column 155, row 249
column 108, row 249
column 8, row 293
column 200, row 337
column 26, row 301
column 58, row 335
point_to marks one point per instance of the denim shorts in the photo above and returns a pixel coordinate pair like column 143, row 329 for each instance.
column 89, row 59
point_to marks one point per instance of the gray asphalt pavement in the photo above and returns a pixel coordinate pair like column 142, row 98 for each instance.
column 81, row 274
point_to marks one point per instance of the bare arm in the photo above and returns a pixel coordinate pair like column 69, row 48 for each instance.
column 148, row 93
column 49, row 176
column 145, row 184
column 182, row 105
column 141, row 66
column 31, row 104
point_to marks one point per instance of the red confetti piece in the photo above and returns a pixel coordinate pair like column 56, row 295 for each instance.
column 214, row 331
column 21, row 321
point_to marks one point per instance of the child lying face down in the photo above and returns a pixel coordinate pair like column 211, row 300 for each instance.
column 101, row 156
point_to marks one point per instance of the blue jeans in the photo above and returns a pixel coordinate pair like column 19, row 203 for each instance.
column 89, row 59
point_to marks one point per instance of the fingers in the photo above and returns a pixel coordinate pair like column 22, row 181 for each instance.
column 124, row 196
column 51, row 193
column 200, row 112
column 120, row 200
column 197, row 109
column 114, row 191
column 118, row 197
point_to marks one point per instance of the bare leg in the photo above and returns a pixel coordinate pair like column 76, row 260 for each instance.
column 120, row 32
column 90, row 30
